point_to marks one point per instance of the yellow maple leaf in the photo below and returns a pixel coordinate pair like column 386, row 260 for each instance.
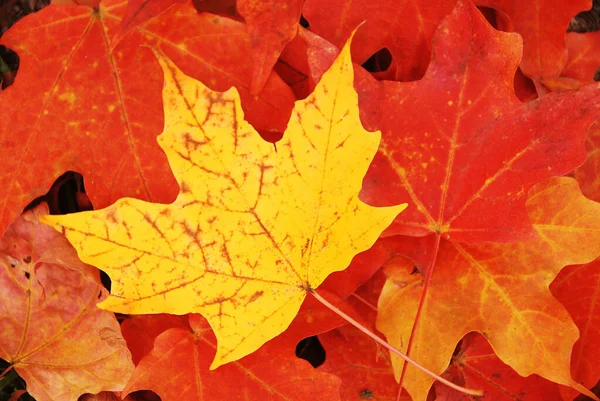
column 254, row 226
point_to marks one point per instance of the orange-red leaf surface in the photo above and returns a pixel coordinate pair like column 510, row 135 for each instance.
column 405, row 28
column 270, row 374
column 364, row 367
column 476, row 366
column 458, row 145
column 542, row 24
column 578, row 289
column 141, row 331
column 582, row 64
column 588, row 175
column 53, row 333
column 138, row 12
column 500, row 290
column 584, row 56
column 77, row 106
column 271, row 25
column 253, row 229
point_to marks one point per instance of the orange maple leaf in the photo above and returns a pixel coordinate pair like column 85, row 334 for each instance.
column 500, row 290
column 476, row 365
column 53, row 333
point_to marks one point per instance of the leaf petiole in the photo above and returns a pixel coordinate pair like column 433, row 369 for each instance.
column 6, row 371
column 384, row 343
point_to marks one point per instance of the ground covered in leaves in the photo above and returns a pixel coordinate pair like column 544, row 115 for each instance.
column 184, row 181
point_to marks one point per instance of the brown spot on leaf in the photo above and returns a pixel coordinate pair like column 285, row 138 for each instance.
column 255, row 296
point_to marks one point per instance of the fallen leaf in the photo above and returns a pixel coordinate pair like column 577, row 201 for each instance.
column 271, row 25
column 578, row 289
column 584, row 56
column 363, row 367
column 499, row 290
column 253, row 229
column 588, row 175
column 404, row 28
column 459, row 146
column 476, row 366
column 267, row 375
column 139, row 12
column 53, row 334
column 98, row 112
column 140, row 331
column 583, row 64
column 299, row 57
column 542, row 25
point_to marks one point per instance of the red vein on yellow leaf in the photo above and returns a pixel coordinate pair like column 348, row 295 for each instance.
column 413, row 331
column 385, row 344
column 121, row 102
column 215, row 151
column 39, row 117
column 445, row 187
column 177, row 261
column 257, row 326
column 323, row 170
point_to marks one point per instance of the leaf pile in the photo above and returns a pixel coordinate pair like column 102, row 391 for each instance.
column 435, row 177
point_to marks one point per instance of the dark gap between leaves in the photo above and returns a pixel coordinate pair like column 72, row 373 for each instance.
column 311, row 350
column 9, row 65
column 586, row 21
column 145, row 395
column 304, row 22
column 67, row 195
column 379, row 62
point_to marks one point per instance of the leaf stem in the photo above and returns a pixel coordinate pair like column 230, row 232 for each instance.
column 364, row 301
column 384, row 343
column 7, row 370
column 426, row 281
